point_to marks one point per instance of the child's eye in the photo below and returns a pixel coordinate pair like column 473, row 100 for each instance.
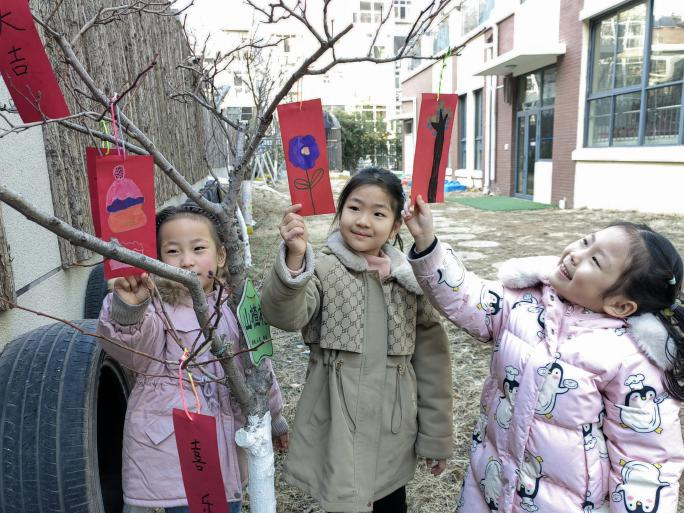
column 596, row 262
column 585, row 242
column 171, row 251
column 353, row 208
column 200, row 248
column 380, row 214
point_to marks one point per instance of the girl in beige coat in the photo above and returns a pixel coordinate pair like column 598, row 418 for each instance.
column 378, row 388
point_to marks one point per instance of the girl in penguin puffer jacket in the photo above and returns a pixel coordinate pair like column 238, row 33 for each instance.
column 580, row 412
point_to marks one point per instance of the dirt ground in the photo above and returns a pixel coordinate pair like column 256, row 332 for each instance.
column 483, row 239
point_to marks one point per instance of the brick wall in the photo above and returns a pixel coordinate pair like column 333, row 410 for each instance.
column 414, row 87
column 505, row 43
column 566, row 106
column 503, row 182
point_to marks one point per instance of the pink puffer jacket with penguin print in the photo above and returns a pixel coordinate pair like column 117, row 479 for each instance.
column 574, row 416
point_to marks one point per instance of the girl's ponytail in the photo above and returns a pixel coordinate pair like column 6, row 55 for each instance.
column 673, row 320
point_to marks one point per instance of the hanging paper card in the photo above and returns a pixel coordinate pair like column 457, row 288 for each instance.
column 25, row 67
column 432, row 147
column 253, row 324
column 122, row 205
column 199, row 461
column 306, row 156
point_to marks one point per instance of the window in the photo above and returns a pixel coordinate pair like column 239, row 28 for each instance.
column 401, row 9
column 462, row 133
column 537, row 97
column 415, row 50
column 369, row 12
column 441, row 38
column 378, row 52
column 286, row 42
column 478, row 129
column 474, row 13
column 636, row 79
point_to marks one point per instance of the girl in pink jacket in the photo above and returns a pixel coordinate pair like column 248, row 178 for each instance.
column 131, row 321
column 580, row 412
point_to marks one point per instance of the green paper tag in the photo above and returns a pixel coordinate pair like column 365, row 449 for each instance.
column 253, row 324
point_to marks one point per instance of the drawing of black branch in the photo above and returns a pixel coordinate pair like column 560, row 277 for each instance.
column 438, row 125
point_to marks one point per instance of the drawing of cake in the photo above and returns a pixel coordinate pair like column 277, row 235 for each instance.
column 124, row 203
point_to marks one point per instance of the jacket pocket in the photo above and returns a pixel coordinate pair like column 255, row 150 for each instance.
column 339, row 380
column 159, row 430
column 404, row 407
column 597, row 467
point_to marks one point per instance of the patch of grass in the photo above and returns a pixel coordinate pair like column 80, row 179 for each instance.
column 497, row 203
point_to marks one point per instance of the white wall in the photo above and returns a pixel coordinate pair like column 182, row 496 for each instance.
column 34, row 250
column 643, row 186
column 543, row 177
column 536, row 23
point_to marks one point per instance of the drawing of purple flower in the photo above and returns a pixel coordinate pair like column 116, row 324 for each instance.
column 303, row 151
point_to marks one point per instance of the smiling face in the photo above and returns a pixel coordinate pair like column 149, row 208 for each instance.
column 367, row 220
column 187, row 242
column 589, row 267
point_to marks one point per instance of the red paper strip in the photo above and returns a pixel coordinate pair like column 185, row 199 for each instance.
column 306, row 156
column 199, row 460
column 122, row 205
column 25, row 67
column 432, row 146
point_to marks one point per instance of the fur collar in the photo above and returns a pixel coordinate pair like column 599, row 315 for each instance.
column 400, row 269
column 648, row 332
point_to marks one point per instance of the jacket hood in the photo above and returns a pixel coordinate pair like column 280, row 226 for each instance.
column 400, row 269
column 648, row 332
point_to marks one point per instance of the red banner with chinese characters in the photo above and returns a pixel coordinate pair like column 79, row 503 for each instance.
column 122, row 205
column 435, row 123
column 306, row 156
column 25, row 67
column 199, row 461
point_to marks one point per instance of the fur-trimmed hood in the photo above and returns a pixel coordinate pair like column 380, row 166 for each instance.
column 400, row 269
column 647, row 331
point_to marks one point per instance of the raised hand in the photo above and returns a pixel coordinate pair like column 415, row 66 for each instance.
column 133, row 290
column 418, row 219
column 295, row 234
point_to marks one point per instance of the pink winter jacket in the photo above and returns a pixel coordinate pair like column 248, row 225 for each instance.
column 151, row 468
column 574, row 417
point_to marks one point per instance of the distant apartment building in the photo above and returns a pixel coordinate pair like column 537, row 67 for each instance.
column 371, row 89
column 565, row 102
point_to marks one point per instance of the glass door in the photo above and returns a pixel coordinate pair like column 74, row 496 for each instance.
column 526, row 153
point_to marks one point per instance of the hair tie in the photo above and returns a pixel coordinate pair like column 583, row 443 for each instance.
column 670, row 310
column 673, row 280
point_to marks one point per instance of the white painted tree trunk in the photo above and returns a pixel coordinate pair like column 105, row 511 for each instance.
column 255, row 438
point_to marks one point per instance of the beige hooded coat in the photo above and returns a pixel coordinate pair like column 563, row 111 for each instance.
column 378, row 386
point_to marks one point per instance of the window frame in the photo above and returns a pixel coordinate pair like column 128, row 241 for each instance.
column 539, row 110
column 479, row 147
column 462, row 131
column 643, row 88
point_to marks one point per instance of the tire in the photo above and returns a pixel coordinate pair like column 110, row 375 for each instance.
column 62, row 410
column 96, row 290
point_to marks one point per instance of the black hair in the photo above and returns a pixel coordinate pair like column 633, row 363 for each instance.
column 384, row 179
column 653, row 279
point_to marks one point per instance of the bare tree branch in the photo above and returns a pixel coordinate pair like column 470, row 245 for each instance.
column 108, row 15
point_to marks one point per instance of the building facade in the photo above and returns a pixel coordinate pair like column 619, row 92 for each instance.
column 572, row 103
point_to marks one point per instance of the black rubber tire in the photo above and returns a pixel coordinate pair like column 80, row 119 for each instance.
column 96, row 290
column 62, row 410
